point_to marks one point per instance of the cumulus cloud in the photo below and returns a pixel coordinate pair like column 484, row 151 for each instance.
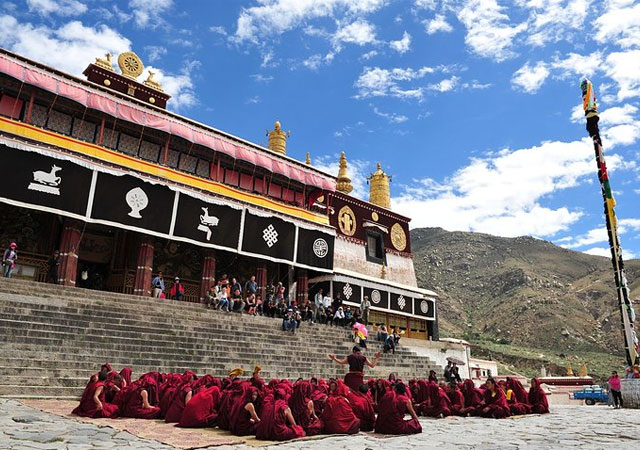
column 57, row 7
column 445, row 85
column 530, row 77
column 619, row 24
column 554, row 20
column 438, row 24
column 180, row 86
column 148, row 13
column 359, row 32
column 574, row 64
column 402, row 45
column 624, row 69
column 378, row 82
column 599, row 234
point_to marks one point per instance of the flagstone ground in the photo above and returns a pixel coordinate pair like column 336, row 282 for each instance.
column 584, row 427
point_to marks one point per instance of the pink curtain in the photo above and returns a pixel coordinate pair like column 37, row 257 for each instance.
column 73, row 92
column 41, row 80
column 11, row 68
column 102, row 104
column 158, row 123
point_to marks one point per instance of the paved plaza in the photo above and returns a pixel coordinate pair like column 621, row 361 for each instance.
column 596, row 427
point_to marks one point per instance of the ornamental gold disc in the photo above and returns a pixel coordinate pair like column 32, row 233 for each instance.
column 130, row 65
column 347, row 221
column 398, row 237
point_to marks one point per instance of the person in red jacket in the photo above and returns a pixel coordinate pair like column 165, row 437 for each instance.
column 177, row 291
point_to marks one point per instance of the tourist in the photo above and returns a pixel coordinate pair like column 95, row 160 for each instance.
column 201, row 410
column 94, row 404
column 337, row 415
column 538, row 398
column 447, row 372
column 615, row 387
column 259, row 305
column 321, row 316
column 317, row 303
column 245, row 412
column 9, row 259
column 289, row 321
column 348, row 316
column 382, row 333
column 628, row 373
column 271, row 308
column 495, row 402
column 235, row 286
column 177, row 290
column 224, row 281
column 277, row 422
column 392, row 407
column 237, row 303
column 337, row 302
column 356, row 360
column 455, row 374
column 365, row 306
column 338, row 317
column 251, row 287
column 327, row 302
column 362, row 405
column 158, row 285
column 53, row 264
column 279, row 292
column 303, row 409
column 251, row 305
column 396, row 337
column 389, row 344
column 211, row 297
column 223, row 298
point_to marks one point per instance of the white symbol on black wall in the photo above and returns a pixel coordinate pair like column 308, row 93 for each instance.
column 270, row 236
column 46, row 182
column 137, row 200
column 207, row 221
column 375, row 296
column 402, row 302
column 320, row 248
column 347, row 290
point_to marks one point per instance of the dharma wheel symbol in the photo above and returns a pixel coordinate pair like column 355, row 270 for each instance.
column 424, row 307
column 137, row 200
column 375, row 296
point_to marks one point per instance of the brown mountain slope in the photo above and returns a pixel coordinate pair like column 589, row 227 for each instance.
column 521, row 291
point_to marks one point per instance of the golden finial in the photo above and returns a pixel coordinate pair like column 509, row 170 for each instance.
column 105, row 63
column 308, row 159
column 379, row 192
column 278, row 139
column 569, row 370
column 344, row 182
column 383, row 271
column 153, row 84
column 583, row 371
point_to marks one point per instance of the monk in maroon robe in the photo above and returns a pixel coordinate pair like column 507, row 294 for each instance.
column 303, row 408
column 338, row 416
column 515, row 407
column 362, row 406
column 229, row 396
column 391, row 410
column 437, row 403
column 245, row 413
column 473, row 399
column 134, row 400
column 356, row 360
column 277, row 422
column 456, row 399
column 521, row 395
column 125, row 373
column 538, row 398
column 495, row 402
column 113, row 387
column 201, row 411
column 180, row 399
column 93, row 403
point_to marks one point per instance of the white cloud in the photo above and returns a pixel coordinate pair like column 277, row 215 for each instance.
column 606, row 251
column 617, row 115
column 367, row 56
column 502, row 194
column 378, row 82
column 437, row 24
column 155, row 52
column 258, row 77
column 620, row 24
column 70, row 47
column 425, row 4
column 359, row 32
column 445, row 85
column 530, row 78
column 147, row 13
column 218, row 30
column 624, row 69
column 391, row 117
column 626, row 134
column 593, row 236
column 402, row 45
column 489, row 32
column 253, row 100
column 314, row 62
column 555, row 20
column 275, row 17
column 59, row 7
column 580, row 65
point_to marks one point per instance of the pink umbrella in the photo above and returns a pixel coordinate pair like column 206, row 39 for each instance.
column 361, row 328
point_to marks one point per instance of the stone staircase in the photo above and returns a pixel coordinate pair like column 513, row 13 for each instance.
column 52, row 338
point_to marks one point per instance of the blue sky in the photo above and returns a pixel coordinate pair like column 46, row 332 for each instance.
column 471, row 105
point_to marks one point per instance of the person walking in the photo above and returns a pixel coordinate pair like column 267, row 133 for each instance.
column 158, row 285
column 614, row 387
column 9, row 259
column 365, row 306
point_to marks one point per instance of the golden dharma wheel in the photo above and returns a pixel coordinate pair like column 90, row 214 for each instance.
column 130, row 65
column 398, row 237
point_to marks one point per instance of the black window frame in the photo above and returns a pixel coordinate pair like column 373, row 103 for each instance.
column 379, row 251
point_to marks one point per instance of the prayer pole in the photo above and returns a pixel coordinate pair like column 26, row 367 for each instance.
column 626, row 308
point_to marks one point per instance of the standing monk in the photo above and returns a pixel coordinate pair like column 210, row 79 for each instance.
column 356, row 360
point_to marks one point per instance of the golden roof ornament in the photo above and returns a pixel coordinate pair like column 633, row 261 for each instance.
column 307, row 160
column 383, row 271
column 569, row 370
column 106, row 63
column 278, row 139
column 130, row 65
column 379, row 191
column 344, row 182
column 583, row 370
column 153, row 84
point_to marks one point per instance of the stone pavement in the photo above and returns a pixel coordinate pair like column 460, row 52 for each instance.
column 584, row 427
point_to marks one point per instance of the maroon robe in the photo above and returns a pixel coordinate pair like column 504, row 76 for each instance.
column 362, row 406
column 129, row 400
column 355, row 377
column 298, row 402
column 273, row 425
column 456, row 400
column 538, row 398
column 473, row 398
column 227, row 400
column 174, row 413
column 391, row 411
column 496, row 403
column 88, row 407
column 338, row 416
column 240, row 422
column 201, row 411
column 437, row 404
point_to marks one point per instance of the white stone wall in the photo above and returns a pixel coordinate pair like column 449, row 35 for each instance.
column 439, row 351
column 351, row 256
column 630, row 389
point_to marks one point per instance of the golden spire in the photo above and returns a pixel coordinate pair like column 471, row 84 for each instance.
column 583, row 371
column 105, row 63
column 383, row 271
column 308, row 159
column 379, row 193
column 153, row 84
column 278, row 139
column 344, row 182
column 569, row 370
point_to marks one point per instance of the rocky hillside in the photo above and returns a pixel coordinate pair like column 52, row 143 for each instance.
column 521, row 291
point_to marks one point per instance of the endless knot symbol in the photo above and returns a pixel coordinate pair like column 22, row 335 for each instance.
column 375, row 296
column 402, row 302
column 270, row 236
column 347, row 290
column 320, row 248
column 424, row 307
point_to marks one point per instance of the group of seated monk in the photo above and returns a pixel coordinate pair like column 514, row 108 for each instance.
column 492, row 400
column 282, row 410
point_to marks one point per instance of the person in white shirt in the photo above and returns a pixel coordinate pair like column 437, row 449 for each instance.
column 338, row 317
column 317, row 303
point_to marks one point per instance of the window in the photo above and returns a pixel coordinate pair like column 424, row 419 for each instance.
column 375, row 247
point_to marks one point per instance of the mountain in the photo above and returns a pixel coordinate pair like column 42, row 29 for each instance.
column 522, row 291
